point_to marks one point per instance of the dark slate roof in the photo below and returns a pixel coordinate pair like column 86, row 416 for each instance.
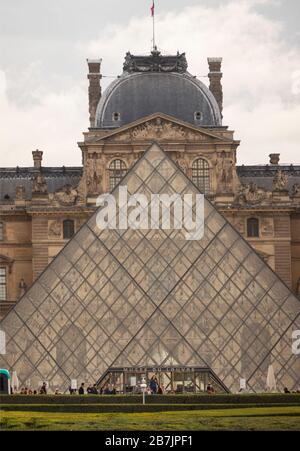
column 157, row 84
column 55, row 178
column 263, row 175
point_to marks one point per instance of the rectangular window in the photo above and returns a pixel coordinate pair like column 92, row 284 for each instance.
column 2, row 284
column 1, row 231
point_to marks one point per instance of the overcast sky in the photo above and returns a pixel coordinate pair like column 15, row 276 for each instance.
column 44, row 45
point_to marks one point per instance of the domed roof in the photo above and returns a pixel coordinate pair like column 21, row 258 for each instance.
column 157, row 84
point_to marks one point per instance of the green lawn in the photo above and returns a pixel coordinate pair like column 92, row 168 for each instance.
column 263, row 418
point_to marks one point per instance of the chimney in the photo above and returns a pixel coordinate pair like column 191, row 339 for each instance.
column 274, row 158
column 37, row 158
column 215, row 75
column 94, row 77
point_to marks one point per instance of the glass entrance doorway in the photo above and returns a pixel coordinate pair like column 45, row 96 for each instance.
column 174, row 380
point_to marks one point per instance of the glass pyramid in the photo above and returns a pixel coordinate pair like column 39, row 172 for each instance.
column 124, row 298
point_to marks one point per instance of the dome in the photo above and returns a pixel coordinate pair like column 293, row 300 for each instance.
column 157, row 84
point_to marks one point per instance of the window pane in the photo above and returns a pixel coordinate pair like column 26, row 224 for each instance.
column 201, row 175
column 68, row 227
column 2, row 284
column 1, row 231
column 253, row 228
column 117, row 170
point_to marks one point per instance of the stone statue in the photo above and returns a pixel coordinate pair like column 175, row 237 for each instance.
column 250, row 194
column 280, row 181
column 20, row 192
column 39, row 184
column 93, row 183
column 67, row 195
column 225, row 168
column 296, row 190
column 93, row 175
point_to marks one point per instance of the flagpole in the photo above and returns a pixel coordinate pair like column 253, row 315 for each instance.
column 153, row 20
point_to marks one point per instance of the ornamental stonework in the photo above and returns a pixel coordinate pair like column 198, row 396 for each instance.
column 159, row 129
column 267, row 227
column 251, row 194
column 93, row 174
column 66, row 196
column 54, row 229
column 280, row 181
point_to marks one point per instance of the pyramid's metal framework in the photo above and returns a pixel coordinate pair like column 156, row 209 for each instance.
column 123, row 298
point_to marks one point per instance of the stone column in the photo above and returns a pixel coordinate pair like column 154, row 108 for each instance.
column 94, row 77
column 215, row 76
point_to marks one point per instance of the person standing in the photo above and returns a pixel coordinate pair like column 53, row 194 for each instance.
column 81, row 389
column 43, row 390
column 153, row 385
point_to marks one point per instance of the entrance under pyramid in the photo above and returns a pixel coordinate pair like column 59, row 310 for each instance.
column 118, row 303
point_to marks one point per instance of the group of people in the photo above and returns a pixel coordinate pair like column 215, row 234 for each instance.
column 287, row 391
column 92, row 390
column 28, row 391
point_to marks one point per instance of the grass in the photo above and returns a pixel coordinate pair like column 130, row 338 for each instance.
column 128, row 408
column 261, row 418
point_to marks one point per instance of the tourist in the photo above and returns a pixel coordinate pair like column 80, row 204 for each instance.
column 210, row 389
column 153, row 385
column 81, row 389
column 35, row 392
column 89, row 390
column 159, row 390
column 43, row 390
column 95, row 390
column 286, row 390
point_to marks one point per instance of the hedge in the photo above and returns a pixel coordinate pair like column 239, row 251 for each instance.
column 268, row 399
column 126, row 408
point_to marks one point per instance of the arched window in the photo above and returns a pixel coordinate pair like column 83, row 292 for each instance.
column 1, row 231
column 68, row 229
column 253, row 228
column 117, row 170
column 201, row 175
column 2, row 284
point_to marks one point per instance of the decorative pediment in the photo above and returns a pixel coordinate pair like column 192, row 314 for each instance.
column 161, row 128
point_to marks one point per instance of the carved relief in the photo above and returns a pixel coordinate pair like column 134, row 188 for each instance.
column 239, row 225
column 66, row 196
column 159, row 129
column 250, row 194
column 267, row 227
column 280, row 181
column 54, row 229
